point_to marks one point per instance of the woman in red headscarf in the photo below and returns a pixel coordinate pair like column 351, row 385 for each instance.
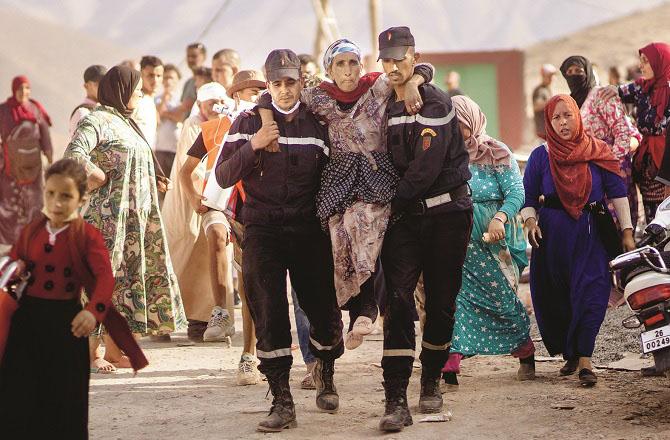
column 575, row 236
column 24, row 131
column 651, row 96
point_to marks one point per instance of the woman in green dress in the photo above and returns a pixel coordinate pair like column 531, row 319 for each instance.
column 490, row 318
column 123, row 205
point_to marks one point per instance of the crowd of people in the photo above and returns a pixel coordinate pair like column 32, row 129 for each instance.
column 375, row 193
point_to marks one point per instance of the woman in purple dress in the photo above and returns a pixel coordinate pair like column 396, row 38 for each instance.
column 575, row 236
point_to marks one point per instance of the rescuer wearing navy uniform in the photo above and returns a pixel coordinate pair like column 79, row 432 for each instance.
column 282, row 234
column 434, row 212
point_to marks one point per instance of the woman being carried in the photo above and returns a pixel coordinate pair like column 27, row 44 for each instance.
column 359, row 181
column 575, row 237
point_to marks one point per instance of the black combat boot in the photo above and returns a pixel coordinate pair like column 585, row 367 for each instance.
column 397, row 415
column 327, row 398
column 282, row 413
column 430, row 400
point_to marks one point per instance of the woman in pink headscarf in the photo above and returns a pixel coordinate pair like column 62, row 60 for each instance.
column 490, row 318
column 24, row 132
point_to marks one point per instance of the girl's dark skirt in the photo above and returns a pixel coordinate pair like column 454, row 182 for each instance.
column 44, row 374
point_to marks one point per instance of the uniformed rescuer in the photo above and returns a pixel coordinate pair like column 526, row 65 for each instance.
column 434, row 212
column 282, row 234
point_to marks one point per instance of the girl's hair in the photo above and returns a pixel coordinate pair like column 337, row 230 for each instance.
column 70, row 168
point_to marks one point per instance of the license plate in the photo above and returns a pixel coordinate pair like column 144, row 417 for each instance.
column 656, row 339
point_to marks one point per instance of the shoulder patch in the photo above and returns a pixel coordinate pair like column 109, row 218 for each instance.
column 428, row 132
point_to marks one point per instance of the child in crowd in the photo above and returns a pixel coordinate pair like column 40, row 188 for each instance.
column 44, row 375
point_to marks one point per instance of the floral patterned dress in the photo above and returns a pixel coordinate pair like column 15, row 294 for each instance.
column 125, row 209
column 606, row 119
column 490, row 318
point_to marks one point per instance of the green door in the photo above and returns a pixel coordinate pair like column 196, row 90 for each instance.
column 479, row 82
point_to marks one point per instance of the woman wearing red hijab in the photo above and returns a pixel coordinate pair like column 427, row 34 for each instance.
column 24, row 122
column 572, row 234
column 651, row 95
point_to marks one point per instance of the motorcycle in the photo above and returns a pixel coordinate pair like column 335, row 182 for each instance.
column 643, row 276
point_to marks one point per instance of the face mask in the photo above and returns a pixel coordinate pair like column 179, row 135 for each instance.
column 286, row 112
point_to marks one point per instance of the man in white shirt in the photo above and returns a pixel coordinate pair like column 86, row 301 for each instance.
column 170, row 125
column 146, row 115
column 92, row 76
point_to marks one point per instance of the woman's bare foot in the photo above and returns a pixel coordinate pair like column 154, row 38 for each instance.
column 101, row 366
column 121, row 362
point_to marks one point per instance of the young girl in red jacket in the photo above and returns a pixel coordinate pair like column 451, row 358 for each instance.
column 44, row 375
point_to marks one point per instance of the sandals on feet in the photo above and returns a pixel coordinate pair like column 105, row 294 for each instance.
column 352, row 340
column 363, row 326
column 569, row 368
column 101, row 366
column 587, row 378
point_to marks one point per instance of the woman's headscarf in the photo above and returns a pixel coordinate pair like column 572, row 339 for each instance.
column 339, row 47
column 22, row 112
column 569, row 159
column 482, row 148
column 658, row 55
column 116, row 88
column 580, row 85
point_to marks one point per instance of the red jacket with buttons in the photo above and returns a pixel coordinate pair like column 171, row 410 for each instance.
column 53, row 273
column 81, row 249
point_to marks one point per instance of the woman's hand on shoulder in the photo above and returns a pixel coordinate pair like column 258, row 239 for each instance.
column 610, row 92
column 413, row 101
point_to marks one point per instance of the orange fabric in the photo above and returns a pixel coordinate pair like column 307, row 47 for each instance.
column 569, row 159
column 213, row 133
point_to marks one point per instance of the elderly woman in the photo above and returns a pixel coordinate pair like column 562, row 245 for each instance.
column 124, row 206
column 575, row 236
column 490, row 318
column 23, row 121
column 605, row 118
column 359, row 181
column 650, row 94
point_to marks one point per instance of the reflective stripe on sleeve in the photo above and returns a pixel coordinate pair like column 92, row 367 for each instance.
column 432, row 122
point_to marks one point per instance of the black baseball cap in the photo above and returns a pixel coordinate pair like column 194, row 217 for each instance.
column 394, row 42
column 282, row 63
column 94, row 73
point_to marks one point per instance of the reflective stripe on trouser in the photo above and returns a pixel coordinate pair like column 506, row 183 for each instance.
column 435, row 245
column 304, row 252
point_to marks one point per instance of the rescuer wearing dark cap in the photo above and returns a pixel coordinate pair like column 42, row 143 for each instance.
column 282, row 234
column 434, row 212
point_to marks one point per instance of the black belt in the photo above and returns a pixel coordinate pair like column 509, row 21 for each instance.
column 423, row 205
column 553, row 202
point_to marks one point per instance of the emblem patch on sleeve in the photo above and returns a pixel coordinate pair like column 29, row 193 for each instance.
column 427, row 134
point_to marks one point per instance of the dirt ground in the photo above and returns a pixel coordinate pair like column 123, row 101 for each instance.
column 190, row 393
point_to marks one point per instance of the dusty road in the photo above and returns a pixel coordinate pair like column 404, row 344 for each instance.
column 190, row 393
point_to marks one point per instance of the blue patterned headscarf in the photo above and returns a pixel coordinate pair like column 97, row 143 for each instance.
column 340, row 46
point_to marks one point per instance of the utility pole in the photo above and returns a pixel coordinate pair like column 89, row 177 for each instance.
column 375, row 13
column 327, row 30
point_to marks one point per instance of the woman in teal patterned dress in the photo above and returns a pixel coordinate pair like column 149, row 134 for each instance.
column 124, row 206
column 490, row 318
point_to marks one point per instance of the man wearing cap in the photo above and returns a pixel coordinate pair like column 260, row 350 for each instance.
column 282, row 234
column 92, row 76
column 433, row 209
column 541, row 95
